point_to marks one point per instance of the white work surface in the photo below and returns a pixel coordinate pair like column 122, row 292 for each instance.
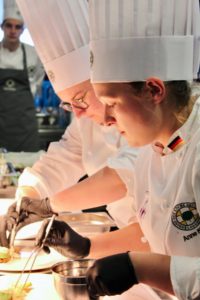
column 42, row 286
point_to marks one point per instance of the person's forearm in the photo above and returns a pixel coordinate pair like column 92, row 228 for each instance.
column 153, row 269
column 128, row 238
column 100, row 189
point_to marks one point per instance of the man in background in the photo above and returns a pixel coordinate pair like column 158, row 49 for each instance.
column 21, row 74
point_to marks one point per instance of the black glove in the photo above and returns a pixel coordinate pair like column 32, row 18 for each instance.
column 3, row 227
column 64, row 240
column 111, row 275
column 31, row 210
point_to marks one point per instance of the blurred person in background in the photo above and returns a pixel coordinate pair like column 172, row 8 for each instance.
column 21, row 74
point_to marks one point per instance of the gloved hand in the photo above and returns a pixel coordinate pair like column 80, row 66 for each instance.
column 111, row 275
column 64, row 240
column 31, row 210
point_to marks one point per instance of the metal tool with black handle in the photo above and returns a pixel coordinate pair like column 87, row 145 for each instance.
column 13, row 231
column 34, row 255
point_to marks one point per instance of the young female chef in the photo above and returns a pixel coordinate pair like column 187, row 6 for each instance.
column 151, row 50
column 21, row 73
column 86, row 145
column 143, row 56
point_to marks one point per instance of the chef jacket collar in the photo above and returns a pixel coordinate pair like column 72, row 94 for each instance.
column 182, row 135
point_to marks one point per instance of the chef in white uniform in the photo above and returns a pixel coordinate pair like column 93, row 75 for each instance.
column 86, row 145
column 21, row 73
column 158, row 45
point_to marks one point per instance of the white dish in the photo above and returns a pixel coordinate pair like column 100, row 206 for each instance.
column 43, row 261
column 29, row 231
column 42, row 286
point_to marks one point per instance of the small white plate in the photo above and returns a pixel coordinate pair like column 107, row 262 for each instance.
column 43, row 262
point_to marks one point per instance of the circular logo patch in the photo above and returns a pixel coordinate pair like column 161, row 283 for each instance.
column 185, row 216
column 10, row 83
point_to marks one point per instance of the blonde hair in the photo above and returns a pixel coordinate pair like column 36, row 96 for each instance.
column 181, row 98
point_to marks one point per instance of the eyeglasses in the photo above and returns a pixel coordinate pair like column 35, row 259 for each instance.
column 76, row 103
column 10, row 26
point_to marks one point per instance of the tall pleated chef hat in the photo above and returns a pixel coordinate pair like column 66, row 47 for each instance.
column 134, row 39
column 11, row 10
column 60, row 32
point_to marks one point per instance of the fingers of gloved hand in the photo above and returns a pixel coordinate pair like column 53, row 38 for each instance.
column 27, row 218
column 95, row 284
column 65, row 240
column 30, row 205
column 41, row 233
column 57, row 238
column 11, row 222
column 23, row 216
column 46, row 208
column 92, row 291
column 38, row 206
column 60, row 230
column 12, row 215
column 12, row 208
column 92, row 287
column 46, row 250
column 73, row 244
column 56, row 232
column 25, row 203
column 3, row 228
column 111, row 275
column 60, row 246
column 31, row 210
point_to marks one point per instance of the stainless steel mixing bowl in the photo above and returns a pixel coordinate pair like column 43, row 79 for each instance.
column 70, row 280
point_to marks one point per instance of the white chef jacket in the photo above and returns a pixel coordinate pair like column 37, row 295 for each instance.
column 83, row 149
column 166, row 195
column 185, row 276
column 14, row 60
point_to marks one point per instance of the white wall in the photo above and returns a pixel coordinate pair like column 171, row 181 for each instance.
column 25, row 37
